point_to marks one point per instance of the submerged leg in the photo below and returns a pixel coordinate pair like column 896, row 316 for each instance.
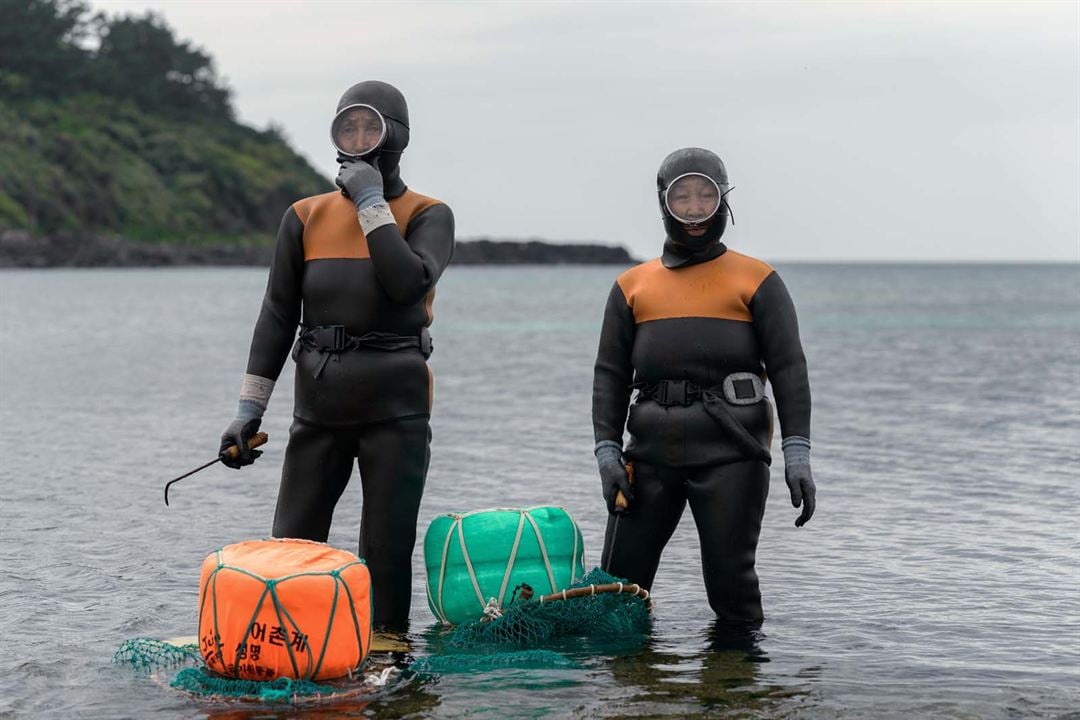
column 318, row 462
column 634, row 540
column 728, row 502
column 393, row 463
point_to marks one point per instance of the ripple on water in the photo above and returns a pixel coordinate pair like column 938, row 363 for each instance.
column 938, row 578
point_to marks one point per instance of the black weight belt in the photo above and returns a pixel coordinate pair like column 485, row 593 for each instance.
column 667, row 393
column 332, row 340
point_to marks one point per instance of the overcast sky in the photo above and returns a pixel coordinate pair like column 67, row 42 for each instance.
column 860, row 131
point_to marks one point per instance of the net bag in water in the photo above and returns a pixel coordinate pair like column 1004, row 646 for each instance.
column 284, row 608
column 475, row 557
column 598, row 606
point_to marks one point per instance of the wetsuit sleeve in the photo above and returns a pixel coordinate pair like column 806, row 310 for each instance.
column 408, row 267
column 777, row 330
column 614, row 371
column 276, row 327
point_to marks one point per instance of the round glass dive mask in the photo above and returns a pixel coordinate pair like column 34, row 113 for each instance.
column 693, row 198
column 358, row 130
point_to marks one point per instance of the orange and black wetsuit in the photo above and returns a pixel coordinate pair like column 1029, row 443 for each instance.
column 367, row 403
column 695, row 325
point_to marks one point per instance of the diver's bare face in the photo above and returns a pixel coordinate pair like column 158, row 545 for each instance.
column 359, row 131
column 693, row 200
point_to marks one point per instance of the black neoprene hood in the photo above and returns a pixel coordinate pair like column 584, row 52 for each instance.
column 693, row 160
column 391, row 104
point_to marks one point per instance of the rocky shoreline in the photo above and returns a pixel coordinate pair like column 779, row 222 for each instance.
column 19, row 249
column 485, row 251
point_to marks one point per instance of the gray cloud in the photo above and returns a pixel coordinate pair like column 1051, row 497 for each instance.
column 915, row 131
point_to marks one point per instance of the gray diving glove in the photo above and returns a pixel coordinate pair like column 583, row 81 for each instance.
column 799, row 479
column 613, row 476
column 254, row 397
column 363, row 184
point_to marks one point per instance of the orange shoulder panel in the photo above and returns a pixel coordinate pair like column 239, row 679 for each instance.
column 408, row 205
column 332, row 230
column 721, row 288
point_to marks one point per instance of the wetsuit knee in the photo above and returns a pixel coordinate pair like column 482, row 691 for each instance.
column 733, row 591
column 393, row 461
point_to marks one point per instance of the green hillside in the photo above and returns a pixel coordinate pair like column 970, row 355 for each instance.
column 112, row 126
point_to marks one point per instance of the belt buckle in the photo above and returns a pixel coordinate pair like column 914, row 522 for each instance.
column 743, row 388
column 339, row 337
column 328, row 338
column 673, row 392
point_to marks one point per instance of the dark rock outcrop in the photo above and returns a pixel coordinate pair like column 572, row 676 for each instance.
column 537, row 252
column 19, row 248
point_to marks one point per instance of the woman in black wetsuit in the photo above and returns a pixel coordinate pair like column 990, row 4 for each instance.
column 357, row 267
column 695, row 332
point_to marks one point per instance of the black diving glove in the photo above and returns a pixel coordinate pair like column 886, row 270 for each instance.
column 238, row 433
column 800, row 480
column 255, row 394
column 613, row 476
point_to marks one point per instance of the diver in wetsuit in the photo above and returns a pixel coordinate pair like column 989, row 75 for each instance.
column 357, row 269
column 694, row 332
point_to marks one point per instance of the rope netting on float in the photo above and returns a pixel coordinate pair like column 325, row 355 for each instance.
column 287, row 620
column 598, row 607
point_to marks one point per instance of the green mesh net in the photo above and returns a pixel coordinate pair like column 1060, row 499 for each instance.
column 151, row 655
column 530, row 623
column 513, row 640
column 467, row 663
column 200, row 681
column 148, row 654
column 516, row 638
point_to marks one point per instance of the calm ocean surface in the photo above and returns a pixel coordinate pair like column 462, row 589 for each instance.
column 940, row 576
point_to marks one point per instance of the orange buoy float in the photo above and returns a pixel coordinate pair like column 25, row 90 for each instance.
column 284, row 608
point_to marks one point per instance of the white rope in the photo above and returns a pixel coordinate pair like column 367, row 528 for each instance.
column 573, row 566
column 543, row 552
column 491, row 611
column 431, row 603
column 442, row 570
column 380, row 679
column 468, row 565
column 513, row 558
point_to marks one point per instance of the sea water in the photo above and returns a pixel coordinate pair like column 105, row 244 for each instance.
column 940, row 576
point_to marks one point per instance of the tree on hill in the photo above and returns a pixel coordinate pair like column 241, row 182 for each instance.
column 138, row 58
column 53, row 48
column 41, row 44
column 113, row 125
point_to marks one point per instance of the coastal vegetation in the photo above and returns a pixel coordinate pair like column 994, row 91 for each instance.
column 113, row 126
column 120, row 145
